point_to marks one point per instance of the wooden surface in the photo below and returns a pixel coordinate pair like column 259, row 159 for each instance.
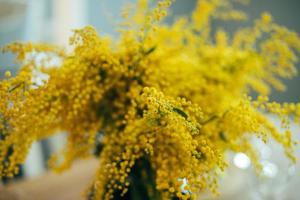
column 50, row 186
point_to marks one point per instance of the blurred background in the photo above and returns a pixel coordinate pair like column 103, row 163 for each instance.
column 51, row 21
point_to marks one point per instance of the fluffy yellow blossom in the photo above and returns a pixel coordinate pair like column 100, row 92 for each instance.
column 159, row 107
column 7, row 74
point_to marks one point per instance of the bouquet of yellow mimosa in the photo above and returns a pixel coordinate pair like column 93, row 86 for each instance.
column 159, row 107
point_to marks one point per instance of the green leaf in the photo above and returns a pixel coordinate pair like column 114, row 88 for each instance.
column 180, row 112
column 222, row 136
column 149, row 51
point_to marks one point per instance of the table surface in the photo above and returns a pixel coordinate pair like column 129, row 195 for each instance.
column 69, row 185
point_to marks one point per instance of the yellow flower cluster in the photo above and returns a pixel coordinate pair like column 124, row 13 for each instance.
column 163, row 104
